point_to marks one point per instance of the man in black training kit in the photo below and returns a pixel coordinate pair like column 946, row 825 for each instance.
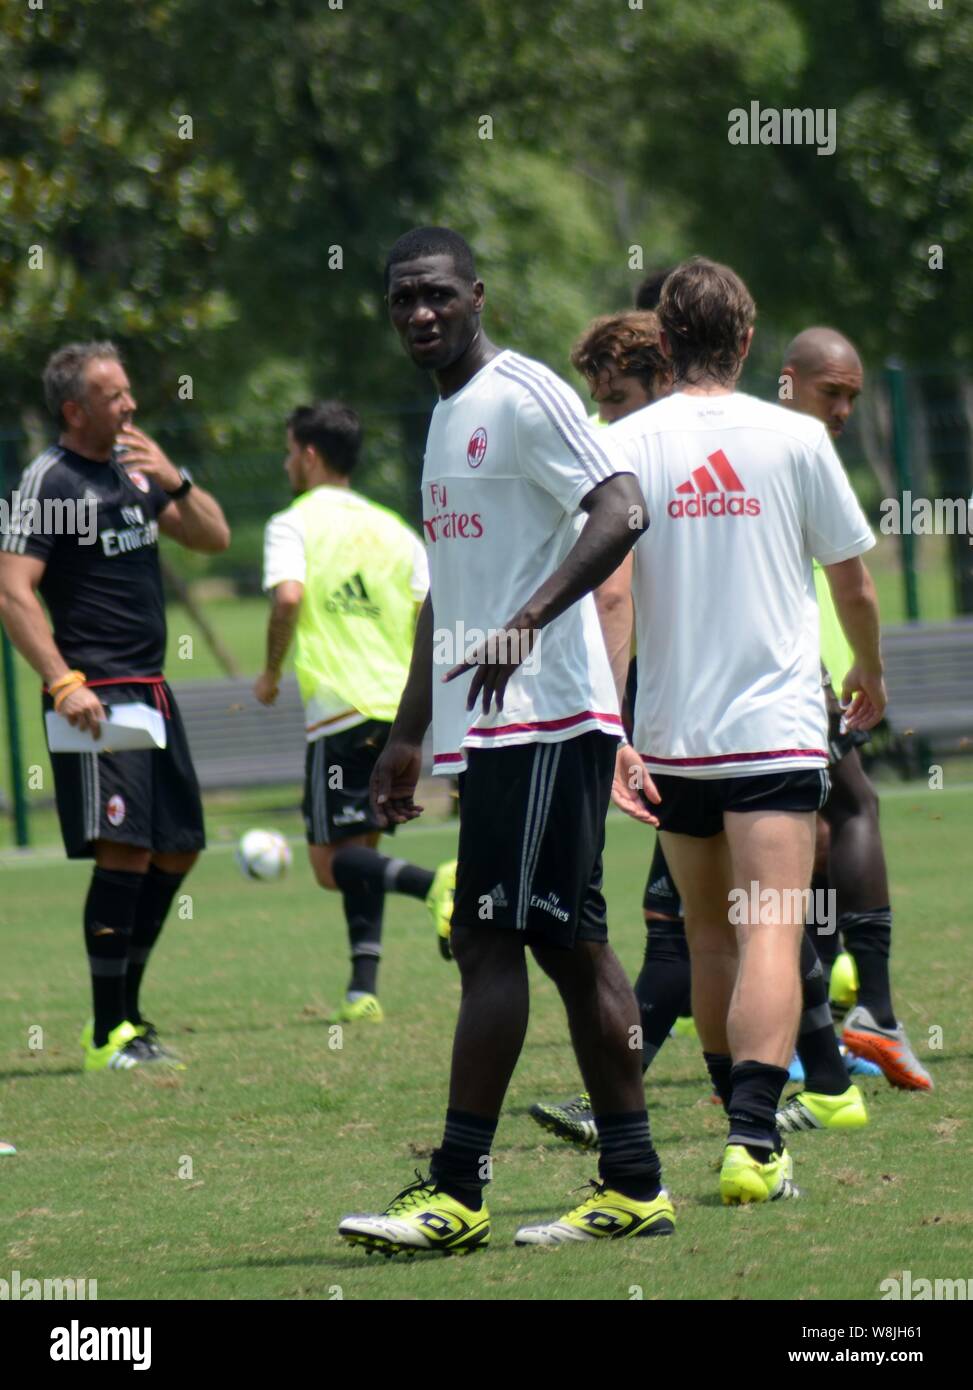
column 510, row 467
column 137, row 814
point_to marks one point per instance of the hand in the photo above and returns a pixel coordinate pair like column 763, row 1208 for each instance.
column 394, row 779
column 143, row 453
column 267, row 687
column 494, row 662
column 632, row 784
column 863, row 698
column 83, row 710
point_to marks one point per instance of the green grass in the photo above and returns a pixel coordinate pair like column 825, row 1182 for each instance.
column 286, row 1133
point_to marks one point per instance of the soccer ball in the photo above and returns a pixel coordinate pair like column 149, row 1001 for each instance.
column 263, row 854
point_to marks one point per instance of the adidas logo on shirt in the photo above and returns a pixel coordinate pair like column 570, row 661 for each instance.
column 713, row 491
column 352, row 598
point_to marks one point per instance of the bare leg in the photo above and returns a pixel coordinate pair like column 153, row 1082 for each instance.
column 603, row 1017
column 492, row 1019
column 702, row 872
column 775, row 850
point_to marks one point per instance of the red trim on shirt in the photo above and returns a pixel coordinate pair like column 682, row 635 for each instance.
column 736, row 757
column 546, row 724
column 541, row 724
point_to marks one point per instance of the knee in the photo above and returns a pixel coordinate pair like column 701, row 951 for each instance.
column 131, row 859
column 324, row 875
column 175, row 863
column 322, row 865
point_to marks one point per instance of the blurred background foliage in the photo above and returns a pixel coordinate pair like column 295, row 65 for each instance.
column 249, row 256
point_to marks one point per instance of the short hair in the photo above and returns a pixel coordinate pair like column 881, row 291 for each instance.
column 706, row 310
column 64, row 373
column 333, row 428
column 649, row 291
column 627, row 343
column 432, row 241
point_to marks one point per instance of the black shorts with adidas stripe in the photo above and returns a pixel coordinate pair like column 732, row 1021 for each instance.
column 532, row 831
column 337, row 771
column 148, row 798
column 696, row 805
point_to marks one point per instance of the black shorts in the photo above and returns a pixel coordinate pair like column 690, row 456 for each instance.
column 531, row 834
column 661, row 893
column 695, row 805
column 148, row 798
column 337, row 771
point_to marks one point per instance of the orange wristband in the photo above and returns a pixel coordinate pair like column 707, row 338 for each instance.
column 69, row 678
column 67, row 690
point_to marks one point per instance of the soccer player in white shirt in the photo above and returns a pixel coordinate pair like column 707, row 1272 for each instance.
column 511, row 465
column 730, row 722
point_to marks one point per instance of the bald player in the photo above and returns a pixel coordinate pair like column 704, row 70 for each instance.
column 824, row 377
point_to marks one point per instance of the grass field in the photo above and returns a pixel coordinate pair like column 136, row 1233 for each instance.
column 278, row 1133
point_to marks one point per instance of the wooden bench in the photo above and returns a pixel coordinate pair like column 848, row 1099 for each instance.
column 237, row 742
column 929, row 677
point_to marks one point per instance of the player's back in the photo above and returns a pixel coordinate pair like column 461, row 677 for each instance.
column 740, row 494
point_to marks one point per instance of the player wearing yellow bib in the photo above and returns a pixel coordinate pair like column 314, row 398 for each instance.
column 347, row 577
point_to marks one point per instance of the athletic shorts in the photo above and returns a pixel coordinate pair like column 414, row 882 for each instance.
column 696, row 805
column 337, row 771
column 531, row 835
column 148, row 798
column 661, row 893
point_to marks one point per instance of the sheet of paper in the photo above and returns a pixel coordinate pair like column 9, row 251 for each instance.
column 128, row 726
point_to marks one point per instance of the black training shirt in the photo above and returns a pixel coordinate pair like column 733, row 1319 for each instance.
column 102, row 583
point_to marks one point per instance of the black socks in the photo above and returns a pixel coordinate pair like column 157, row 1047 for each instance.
column 817, row 1046
column 364, row 907
column 753, row 1107
column 627, row 1161
column 461, row 1165
column 662, row 988
column 154, row 901
column 109, row 917
column 719, row 1066
column 364, row 877
column 868, row 939
column 357, row 865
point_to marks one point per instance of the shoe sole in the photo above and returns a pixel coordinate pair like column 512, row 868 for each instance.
column 663, row 1227
column 874, row 1050
column 376, row 1245
column 560, row 1131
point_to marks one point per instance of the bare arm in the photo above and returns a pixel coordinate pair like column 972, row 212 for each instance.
column 415, row 707
column 613, row 599
column 196, row 520
column 284, row 613
column 28, row 629
column 617, row 517
column 856, row 604
column 396, row 774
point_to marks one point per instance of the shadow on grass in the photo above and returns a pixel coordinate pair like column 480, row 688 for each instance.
column 352, row 1260
column 39, row 1074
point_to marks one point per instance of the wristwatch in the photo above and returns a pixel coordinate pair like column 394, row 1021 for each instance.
column 184, row 486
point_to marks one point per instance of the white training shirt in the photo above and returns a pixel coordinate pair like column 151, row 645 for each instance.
column 508, row 460
column 741, row 495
